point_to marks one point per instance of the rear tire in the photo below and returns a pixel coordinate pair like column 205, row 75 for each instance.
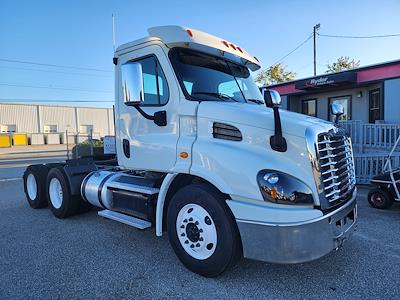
column 202, row 230
column 35, row 185
column 379, row 198
column 60, row 200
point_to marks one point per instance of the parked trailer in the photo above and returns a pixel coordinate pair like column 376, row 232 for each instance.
column 204, row 156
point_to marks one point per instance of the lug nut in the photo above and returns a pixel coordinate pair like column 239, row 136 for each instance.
column 182, row 234
column 196, row 223
column 201, row 239
column 186, row 242
column 198, row 245
column 185, row 221
column 200, row 230
column 182, row 226
column 192, row 246
column 190, row 219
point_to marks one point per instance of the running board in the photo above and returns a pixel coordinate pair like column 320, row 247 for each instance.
column 128, row 220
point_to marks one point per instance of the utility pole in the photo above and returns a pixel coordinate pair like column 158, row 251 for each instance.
column 316, row 28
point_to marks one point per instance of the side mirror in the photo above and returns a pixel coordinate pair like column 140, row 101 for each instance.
column 277, row 141
column 272, row 98
column 132, row 83
column 337, row 110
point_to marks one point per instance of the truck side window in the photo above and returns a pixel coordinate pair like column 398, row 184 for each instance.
column 155, row 87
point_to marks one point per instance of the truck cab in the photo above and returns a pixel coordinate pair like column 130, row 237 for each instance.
column 205, row 156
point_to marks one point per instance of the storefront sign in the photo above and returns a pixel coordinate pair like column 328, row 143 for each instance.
column 327, row 80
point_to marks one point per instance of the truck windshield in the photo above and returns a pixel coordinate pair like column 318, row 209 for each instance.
column 207, row 77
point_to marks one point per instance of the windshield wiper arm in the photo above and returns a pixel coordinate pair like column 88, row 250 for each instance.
column 218, row 95
column 255, row 101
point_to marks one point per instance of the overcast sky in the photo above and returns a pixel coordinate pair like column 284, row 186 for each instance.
column 78, row 33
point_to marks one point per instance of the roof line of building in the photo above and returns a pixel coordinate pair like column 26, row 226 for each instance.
column 391, row 62
column 49, row 105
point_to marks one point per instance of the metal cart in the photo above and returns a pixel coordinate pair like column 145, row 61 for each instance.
column 386, row 185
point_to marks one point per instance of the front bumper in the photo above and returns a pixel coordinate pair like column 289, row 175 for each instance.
column 301, row 241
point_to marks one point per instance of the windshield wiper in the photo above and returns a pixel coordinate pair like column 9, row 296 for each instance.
column 255, row 101
column 218, row 95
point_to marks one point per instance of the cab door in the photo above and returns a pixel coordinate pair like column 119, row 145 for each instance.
column 141, row 144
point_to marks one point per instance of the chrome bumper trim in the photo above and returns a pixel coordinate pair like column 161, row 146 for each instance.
column 301, row 241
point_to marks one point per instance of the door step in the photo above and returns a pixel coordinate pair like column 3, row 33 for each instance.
column 125, row 219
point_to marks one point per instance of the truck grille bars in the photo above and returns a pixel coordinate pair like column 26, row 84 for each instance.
column 336, row 164
column 331, row 156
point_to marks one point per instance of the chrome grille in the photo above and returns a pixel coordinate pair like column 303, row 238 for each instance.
column 336, row 164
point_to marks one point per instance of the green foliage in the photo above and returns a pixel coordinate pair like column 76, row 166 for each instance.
column 88, row 148
column 343, row 63
column 274, row 74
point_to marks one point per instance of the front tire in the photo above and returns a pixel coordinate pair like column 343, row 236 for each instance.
column 379, row 198
column 202, row 230
column 60, row 200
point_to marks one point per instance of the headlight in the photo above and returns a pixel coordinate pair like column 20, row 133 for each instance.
column 279, row 187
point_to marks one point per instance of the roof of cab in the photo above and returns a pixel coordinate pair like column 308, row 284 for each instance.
column 182, row 36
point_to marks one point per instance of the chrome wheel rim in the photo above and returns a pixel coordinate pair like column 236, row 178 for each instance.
column 55, row 193
column 196, row 231
column 31, row 187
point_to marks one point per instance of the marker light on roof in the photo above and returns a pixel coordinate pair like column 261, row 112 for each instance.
column 240, row 49
column 256, row 59
column 225, row 43
column 233, row 46
column 190, row 33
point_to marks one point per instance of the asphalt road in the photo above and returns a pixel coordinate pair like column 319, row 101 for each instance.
column 86, row 256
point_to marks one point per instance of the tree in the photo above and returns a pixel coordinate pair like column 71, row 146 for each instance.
column 342, row 63
column 274, row 74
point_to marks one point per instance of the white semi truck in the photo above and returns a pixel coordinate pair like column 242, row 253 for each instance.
column 204, row 156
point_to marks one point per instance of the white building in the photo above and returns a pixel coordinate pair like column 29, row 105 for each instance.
column 44, row 119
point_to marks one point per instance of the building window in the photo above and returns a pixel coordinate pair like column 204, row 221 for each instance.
column 50, row 128
column 375, row 107
column 346, row 102
column 309, row 107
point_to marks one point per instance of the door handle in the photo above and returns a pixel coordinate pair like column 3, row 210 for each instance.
column 126, row 147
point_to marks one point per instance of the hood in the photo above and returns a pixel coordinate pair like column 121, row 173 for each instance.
column 259, row 116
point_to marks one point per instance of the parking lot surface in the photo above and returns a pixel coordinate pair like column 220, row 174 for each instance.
column 86, row 256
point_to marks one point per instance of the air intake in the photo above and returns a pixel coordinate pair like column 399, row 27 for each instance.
column 226, row 132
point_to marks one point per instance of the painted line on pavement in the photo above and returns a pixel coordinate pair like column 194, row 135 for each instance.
column 10, row 179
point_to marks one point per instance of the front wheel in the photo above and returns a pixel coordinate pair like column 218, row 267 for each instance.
column 202, row 230
column 379, row 198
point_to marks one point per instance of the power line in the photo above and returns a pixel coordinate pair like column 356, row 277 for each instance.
column 56, row 100
column 301, row 44
column 52, row 88
column 52, row 65
column 358, row 36
column 54, row 71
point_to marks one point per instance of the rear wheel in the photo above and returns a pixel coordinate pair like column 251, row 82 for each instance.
column 35, row 185
column 60, row 200
column 202, row 230
column 380, row 198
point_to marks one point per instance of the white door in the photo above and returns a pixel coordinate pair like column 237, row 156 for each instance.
column 151, row 147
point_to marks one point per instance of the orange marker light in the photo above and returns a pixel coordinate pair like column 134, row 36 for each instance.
column 190, row 33
column 225, row 43
column 184, row 155
column 233, row 46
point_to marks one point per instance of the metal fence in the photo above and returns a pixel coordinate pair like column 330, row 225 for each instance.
column 371, row 145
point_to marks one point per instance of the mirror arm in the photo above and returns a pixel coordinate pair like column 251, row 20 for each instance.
column 277, row 141
column 159, row 118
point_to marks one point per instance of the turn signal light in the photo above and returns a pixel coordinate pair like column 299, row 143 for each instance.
column 184, row 155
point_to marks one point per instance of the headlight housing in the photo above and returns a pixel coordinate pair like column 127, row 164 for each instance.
column 279, row 187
